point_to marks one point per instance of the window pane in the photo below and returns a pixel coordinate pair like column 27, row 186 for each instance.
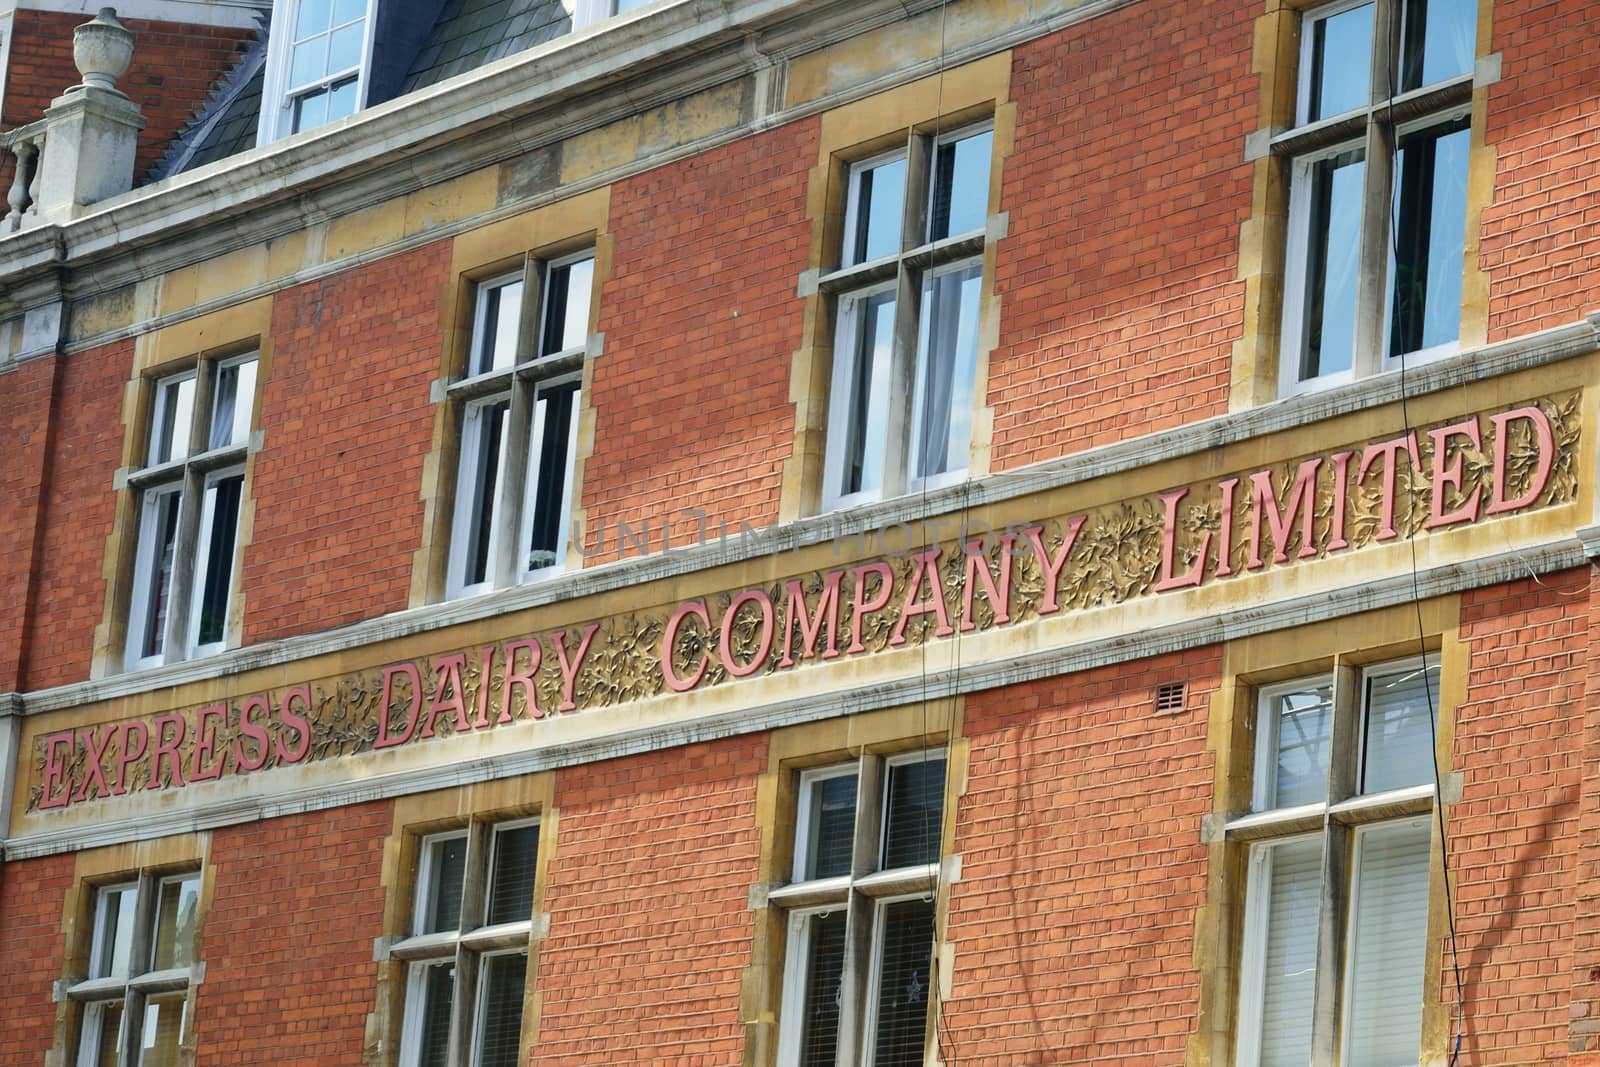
column 624, row 6
column 308, row 61
column 961, row 186
column 482, row 473
column 1399, row 730
column 1440, row 41
column 114, row 919
column 163, row 1030
column 448, row 865
column 348, row 10
column 499, row 315
column 568, row 289
column 175, row 908
column 914, row 821
column 157, row 538
column 903, row 980
column 342, row 99
column 1341, row 63
column 550, row 470
column 310, row 17
column 438, row 998
column 948, row 356
column 511, row 889
column 174, row 412
column 1388, row 945
column 824, row 962
column 310, row 111
column 830, row 826
column 867, row 399
column 505, row 978
column 1333, row 243
column 1303, row 723
column 344, row 46
column 102, row 1026
column 1430, row 236
column 1291, row 884
column 231, row 407
column 220, row 523
column 879, row 210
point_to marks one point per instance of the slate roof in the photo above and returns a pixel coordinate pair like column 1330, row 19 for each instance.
column 465, row 35
column 470, row 33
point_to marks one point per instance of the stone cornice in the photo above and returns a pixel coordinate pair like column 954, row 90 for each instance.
column 1533, row 350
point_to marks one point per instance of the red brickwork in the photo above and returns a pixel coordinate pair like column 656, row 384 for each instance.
column 701, row 323
column 1081, row 869
column 1117, row 285
column 1584, row 1033
column 1514, row 838
column 347, row 420
column 80, row 505
column 175, row 66
column 650, row 924
column 32, row 894
column 1543, row 123
column 288, row 941
column 25, row 396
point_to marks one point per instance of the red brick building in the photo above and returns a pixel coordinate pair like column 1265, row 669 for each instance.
column 798, row 532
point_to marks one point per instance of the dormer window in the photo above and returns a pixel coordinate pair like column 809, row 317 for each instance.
column 317, row 69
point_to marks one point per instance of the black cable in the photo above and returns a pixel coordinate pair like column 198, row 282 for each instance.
column 1396, row 57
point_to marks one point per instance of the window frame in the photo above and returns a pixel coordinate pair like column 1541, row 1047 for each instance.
column 906, row 272
column 94, row 995
column 1373, row 127
column 278, row 97
column 522, row 386
column 468, row 945
column 1337, row 821
column 861, row 894
column 189, row 477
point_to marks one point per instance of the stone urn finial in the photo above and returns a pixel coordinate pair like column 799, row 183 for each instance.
column 102, row 49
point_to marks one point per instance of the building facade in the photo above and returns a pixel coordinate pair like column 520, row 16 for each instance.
column 800, row 532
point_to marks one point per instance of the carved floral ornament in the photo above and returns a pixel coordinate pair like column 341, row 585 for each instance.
column 1442, row 476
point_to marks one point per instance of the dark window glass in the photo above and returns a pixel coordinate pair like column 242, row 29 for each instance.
column 903, row 984
column 438, row 997
column 557, row 407
column 490, row 467
column 960, row 186
column 511, row 891
column 869, row 393
column 819, row 1040
column 165, row 531
column 500, row 314
column 1341, row 63
column 449, row 867
column 1333, row 244
column 1439, row 41
column 224, row 507
column 1430, row 238
column 566, row 308
column 506, row 977
column 915, row 813
column 949, row 338
column 879, row 211
column 832, row 827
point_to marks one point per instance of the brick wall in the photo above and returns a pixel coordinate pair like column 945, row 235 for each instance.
column 650, row 927
column 1543, row 123
column 25, row 396
column 80, row 505
column 347, row 420
column 287, row 943
column 1081, row 869
column 701, row 323
column 32, row 894
column 174, row 68
column 1118, row 290
column 1514, row 838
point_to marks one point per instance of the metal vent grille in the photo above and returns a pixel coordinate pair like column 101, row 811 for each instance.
column 1170, row 697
